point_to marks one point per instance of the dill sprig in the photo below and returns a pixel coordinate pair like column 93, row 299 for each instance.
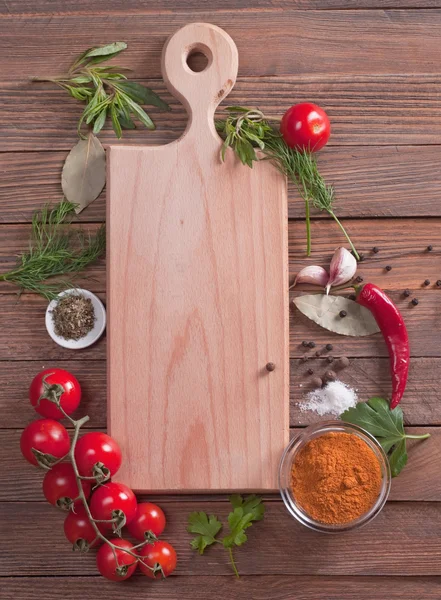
column 55, row 252
column 246, row 129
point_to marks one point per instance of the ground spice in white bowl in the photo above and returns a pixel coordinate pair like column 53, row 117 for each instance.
column 73, row 316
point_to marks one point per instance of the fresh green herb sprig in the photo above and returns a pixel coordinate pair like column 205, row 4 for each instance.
column 55, row 252
column 246, row 129
column 106, row 91
column 387, row 426
column 244, row 513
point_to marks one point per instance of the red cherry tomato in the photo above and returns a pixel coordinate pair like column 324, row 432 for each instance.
column 54, row 384
column 60, row 486
column 47, row 436
column 108, row 565
column 159, row 553
column 97, row 447
column 305, row 126
column 148, row 518
column 109, row 499
column 79, row 531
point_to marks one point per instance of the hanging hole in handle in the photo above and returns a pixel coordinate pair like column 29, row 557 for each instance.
column 198, row 58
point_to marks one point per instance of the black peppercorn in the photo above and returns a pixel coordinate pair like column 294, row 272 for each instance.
column 310, row 371
column 388, row 268
column 429, row 248
column 311, row 344
column 343, row 313
column 406, row 293
column 318, row 353
column 427, row 282
column 415, row 301
column 360, row 257
column 329, row 347
column 330, row 359
column 352, row 297
column 375, row 250
column 270, row 366
column 358, row 279
column 305, row 344
column 304, row 359
column 438, row 283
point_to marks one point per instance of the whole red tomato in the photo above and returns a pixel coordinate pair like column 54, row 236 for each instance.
column 51, row 385
column 79, row 530
column 159, row 553
column 118, row 565
column 113, row 500
column 148, row 518
column 97, row 448
column 305, row 126
column 60, row 486
column 47, row 436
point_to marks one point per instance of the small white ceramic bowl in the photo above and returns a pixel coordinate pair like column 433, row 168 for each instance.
column 92, row 336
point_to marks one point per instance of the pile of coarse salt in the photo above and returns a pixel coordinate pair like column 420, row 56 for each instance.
column 333, row 399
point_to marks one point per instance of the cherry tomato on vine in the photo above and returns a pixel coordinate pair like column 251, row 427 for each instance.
column 148, row 518
column 159, row 553
column 60, row 486
column 51, row 385
column 97, row 448
column 305, row 126
column 79, row 530
column 47, row 436
column 106, row 560
column 111, row 500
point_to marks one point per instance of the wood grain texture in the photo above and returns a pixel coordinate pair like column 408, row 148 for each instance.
column 389, row 181
column 368, row 41
column 420, row 480
column 276, row 587
column 365, row 109
column 412, row 527
column 198, row 297
column 370, row 376
column 106, row 7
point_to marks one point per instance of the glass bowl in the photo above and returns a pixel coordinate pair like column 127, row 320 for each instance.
column 290, row 454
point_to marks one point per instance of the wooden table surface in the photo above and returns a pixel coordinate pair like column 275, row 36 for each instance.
column 376, row 72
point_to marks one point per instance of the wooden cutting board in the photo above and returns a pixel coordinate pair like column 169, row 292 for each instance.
column 197, row 296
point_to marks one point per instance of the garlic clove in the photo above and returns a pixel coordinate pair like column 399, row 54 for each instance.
column 313, row 275
column 343, row 268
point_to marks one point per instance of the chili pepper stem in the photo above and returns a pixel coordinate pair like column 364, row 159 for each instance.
column 233, row 563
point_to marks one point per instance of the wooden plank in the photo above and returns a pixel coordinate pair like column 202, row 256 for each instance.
column 387, row 181
column 370, row 376
column 198, row 237
column 420, row 480
column 276, row 587
column 414, row 528
column 364, row 110
column 104, row 7
column 371, row 41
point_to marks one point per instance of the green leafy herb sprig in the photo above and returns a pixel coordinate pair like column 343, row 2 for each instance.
column 106, row 91
column 55, row 252
column 387, row 426
column 247, row 129
column 207, row 527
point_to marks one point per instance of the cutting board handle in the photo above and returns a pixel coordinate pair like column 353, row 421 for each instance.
column 200, row 92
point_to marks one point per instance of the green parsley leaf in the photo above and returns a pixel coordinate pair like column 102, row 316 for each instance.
column 207, row 528
column 387, row 426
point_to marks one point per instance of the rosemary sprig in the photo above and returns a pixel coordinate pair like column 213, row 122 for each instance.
column 106, row 91
column 246, row 129
column 54, row 252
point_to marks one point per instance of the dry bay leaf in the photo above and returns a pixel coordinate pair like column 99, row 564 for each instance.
column 325, row 311
column 84, row 172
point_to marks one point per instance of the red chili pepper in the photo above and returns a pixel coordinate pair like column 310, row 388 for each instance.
column 392, row 326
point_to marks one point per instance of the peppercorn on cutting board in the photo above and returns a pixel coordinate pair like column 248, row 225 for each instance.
column 197, row 296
